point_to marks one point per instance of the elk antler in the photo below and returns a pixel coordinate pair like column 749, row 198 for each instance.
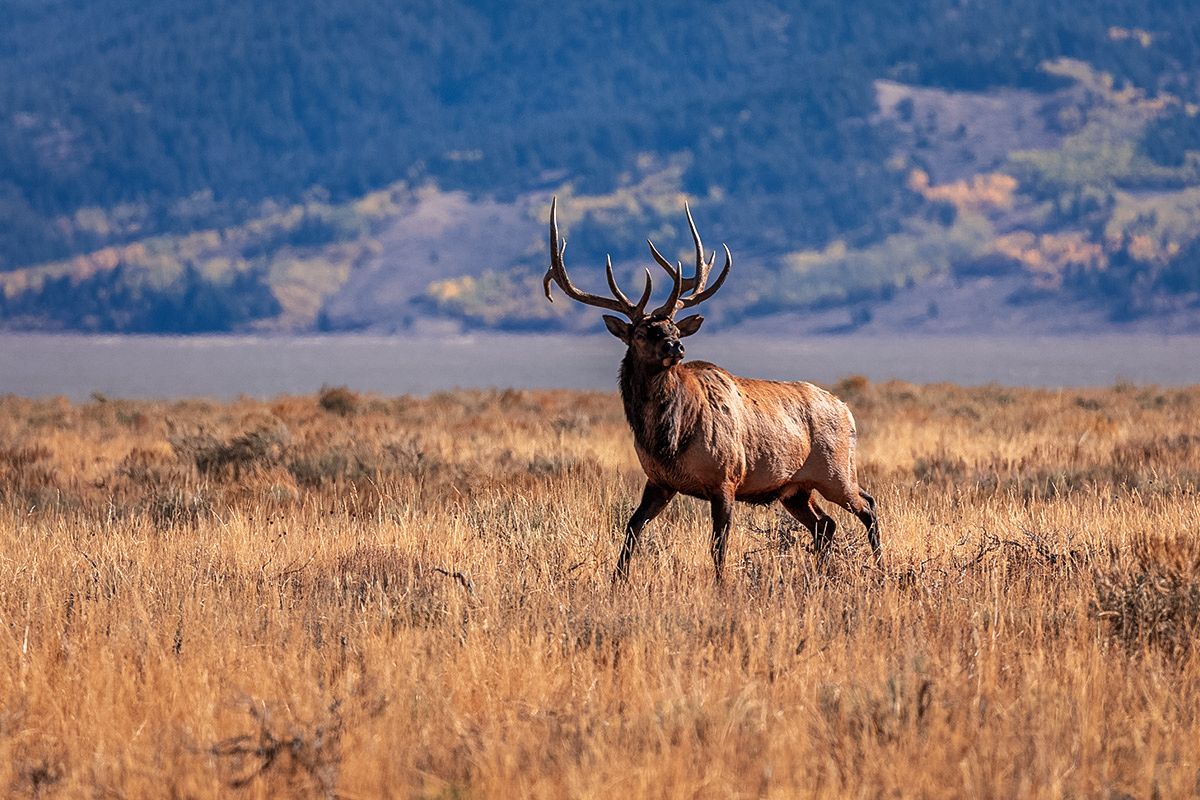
column 558, row 273
column 696, row 284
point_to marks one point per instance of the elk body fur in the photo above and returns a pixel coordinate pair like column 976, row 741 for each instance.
column 700, row 431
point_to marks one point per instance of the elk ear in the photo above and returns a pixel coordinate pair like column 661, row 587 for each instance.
column 689, row 325
column 617, row 327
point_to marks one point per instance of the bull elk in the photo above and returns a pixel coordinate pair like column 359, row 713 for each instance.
column 701, row 431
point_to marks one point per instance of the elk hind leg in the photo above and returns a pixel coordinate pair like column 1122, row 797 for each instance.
column 654, row 500
column 803, row 506
column 866, row 514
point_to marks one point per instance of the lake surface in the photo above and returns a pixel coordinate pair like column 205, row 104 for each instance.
column 224, row 367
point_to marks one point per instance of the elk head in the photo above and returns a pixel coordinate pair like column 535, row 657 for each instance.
column 652, row 338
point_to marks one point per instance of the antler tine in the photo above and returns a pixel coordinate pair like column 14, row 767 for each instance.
column 612, row 284
column 695, row 299
column 641, row 306
column 672, row 305
column 558, row 273
column 697, row 283
column 556, row 252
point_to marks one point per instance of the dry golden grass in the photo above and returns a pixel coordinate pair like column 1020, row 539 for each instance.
column 347, row 596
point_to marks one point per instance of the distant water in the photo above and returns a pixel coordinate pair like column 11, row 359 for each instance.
column 224, row 367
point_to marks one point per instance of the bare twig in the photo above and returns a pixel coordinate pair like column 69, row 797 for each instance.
column 462, row 579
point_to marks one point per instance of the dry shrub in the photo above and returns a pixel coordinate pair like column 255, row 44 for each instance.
column 851, row 387
column 264, row 446
column 339, row 400
column 26, row 468
column 36, row 777
column 417, row 594
column 150, row 466
column 1142, row 460
column 316, row 469
column 29, row 479
column 1152, row 597
column 285, row 760
column 179, row 504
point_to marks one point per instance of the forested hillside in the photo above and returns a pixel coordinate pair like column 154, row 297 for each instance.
column 253, row 163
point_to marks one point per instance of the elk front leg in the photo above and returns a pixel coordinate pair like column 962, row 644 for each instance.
column 654, row 500
column 722, row 518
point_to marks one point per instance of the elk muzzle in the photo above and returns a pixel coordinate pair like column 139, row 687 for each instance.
column 672, row 352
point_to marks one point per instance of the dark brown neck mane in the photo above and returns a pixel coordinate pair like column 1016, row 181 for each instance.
column 658, row 407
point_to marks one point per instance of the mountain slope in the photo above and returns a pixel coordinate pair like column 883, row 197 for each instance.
column 131, row 134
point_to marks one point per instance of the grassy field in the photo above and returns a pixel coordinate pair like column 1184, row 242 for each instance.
column 359, row 597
